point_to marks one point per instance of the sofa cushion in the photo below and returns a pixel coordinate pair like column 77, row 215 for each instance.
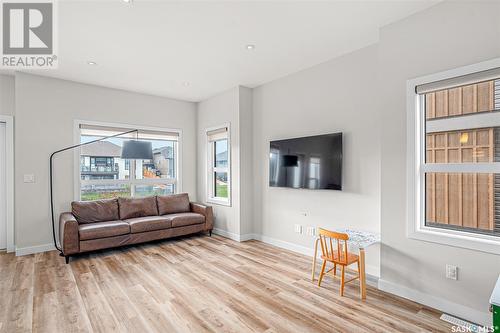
column 183, row 219
column 148, row 223
column 171, row 204
column 103, row 229
column 95, row 211
column 137, row 207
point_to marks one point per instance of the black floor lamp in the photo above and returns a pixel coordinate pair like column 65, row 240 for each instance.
column 132, row 150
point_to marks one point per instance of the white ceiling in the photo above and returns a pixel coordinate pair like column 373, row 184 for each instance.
column 155, row 47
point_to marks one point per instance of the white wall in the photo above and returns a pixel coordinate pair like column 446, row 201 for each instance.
column 217, row 111
column 246, row 162
column 234, row 107
column 336, row 96
column 361, row 94
column 449, row 35
column 7, row 96
column 45, row 113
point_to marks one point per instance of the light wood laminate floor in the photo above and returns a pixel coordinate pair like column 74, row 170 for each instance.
column 192, row 284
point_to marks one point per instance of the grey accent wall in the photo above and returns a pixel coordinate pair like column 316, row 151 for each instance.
column 45, row 112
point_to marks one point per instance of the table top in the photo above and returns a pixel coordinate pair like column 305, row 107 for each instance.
column 360, row 238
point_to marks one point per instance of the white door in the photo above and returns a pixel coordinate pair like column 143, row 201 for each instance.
column 3, row 206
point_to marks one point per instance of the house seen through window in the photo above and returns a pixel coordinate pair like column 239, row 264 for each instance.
column 462, row 145
column 218, row 166
column 103, row 174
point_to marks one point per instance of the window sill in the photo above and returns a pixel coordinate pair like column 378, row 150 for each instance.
column 465, row 240
column 219, row 202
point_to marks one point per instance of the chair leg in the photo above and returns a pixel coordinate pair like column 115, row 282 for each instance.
column 321, row 273
column 313, row 270
column 210, row 233
column 342, row 280
column 67, row 259
column 360, row 281
column 335, row 269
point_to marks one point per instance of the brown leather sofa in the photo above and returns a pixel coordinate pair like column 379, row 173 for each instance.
column 96, row 225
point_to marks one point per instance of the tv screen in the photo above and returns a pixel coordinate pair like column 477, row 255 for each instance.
column 312, row 162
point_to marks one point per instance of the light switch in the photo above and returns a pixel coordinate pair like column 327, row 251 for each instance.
column 29, row 178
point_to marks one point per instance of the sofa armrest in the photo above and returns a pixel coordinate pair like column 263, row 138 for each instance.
column 68, row 234
column 205, row 211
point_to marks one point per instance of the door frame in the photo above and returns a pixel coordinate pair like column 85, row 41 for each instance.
column 9, row 179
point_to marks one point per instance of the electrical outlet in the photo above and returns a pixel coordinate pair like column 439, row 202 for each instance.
column 298, row 228
column 311, row 231
column 29, row 178
column 451, row 272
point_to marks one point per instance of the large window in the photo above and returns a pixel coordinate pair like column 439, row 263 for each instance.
column 103, row 174
column 455, row 181
column 219, row 177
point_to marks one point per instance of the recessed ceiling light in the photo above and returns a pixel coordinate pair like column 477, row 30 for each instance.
column 186, row 84
column 127, row 1
column 250, row 47
column 91, row 63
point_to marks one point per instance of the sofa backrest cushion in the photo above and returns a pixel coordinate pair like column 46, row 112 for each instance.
column 171, row 204
column 95, row 211
column 137, row 207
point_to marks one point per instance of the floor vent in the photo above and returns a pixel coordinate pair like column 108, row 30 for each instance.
column 467, row 326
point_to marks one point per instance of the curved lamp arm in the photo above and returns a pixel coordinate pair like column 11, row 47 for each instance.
column 51, row 177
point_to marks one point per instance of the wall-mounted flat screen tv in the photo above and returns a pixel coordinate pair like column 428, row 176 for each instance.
column 312, row 162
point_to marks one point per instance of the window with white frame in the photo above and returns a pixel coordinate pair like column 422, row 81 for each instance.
column 103, row 174
column 219, row 175
column 455, row 181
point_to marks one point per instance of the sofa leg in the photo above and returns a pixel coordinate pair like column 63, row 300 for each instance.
column 67, row 259
column 210, row 233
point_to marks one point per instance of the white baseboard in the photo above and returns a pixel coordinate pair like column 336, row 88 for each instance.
column 22, row 251
column 286, row 245
column 441, row 304
column 247, row 237
column 372, row 273
column 461, row 311
column 232, row 235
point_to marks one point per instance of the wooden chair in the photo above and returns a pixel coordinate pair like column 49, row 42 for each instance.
column 338, row 255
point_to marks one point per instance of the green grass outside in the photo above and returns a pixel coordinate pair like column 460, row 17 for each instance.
column 88, row 196
column 221, row 190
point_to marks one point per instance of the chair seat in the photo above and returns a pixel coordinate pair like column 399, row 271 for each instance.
column 184, row 219
column 148, row 223
column 351, row 258
column 103, row 229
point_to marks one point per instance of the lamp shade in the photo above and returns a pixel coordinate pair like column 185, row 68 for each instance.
column 137, row 150
column 290, row 160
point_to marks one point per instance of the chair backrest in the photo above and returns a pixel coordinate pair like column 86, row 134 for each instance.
column 334, row 245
